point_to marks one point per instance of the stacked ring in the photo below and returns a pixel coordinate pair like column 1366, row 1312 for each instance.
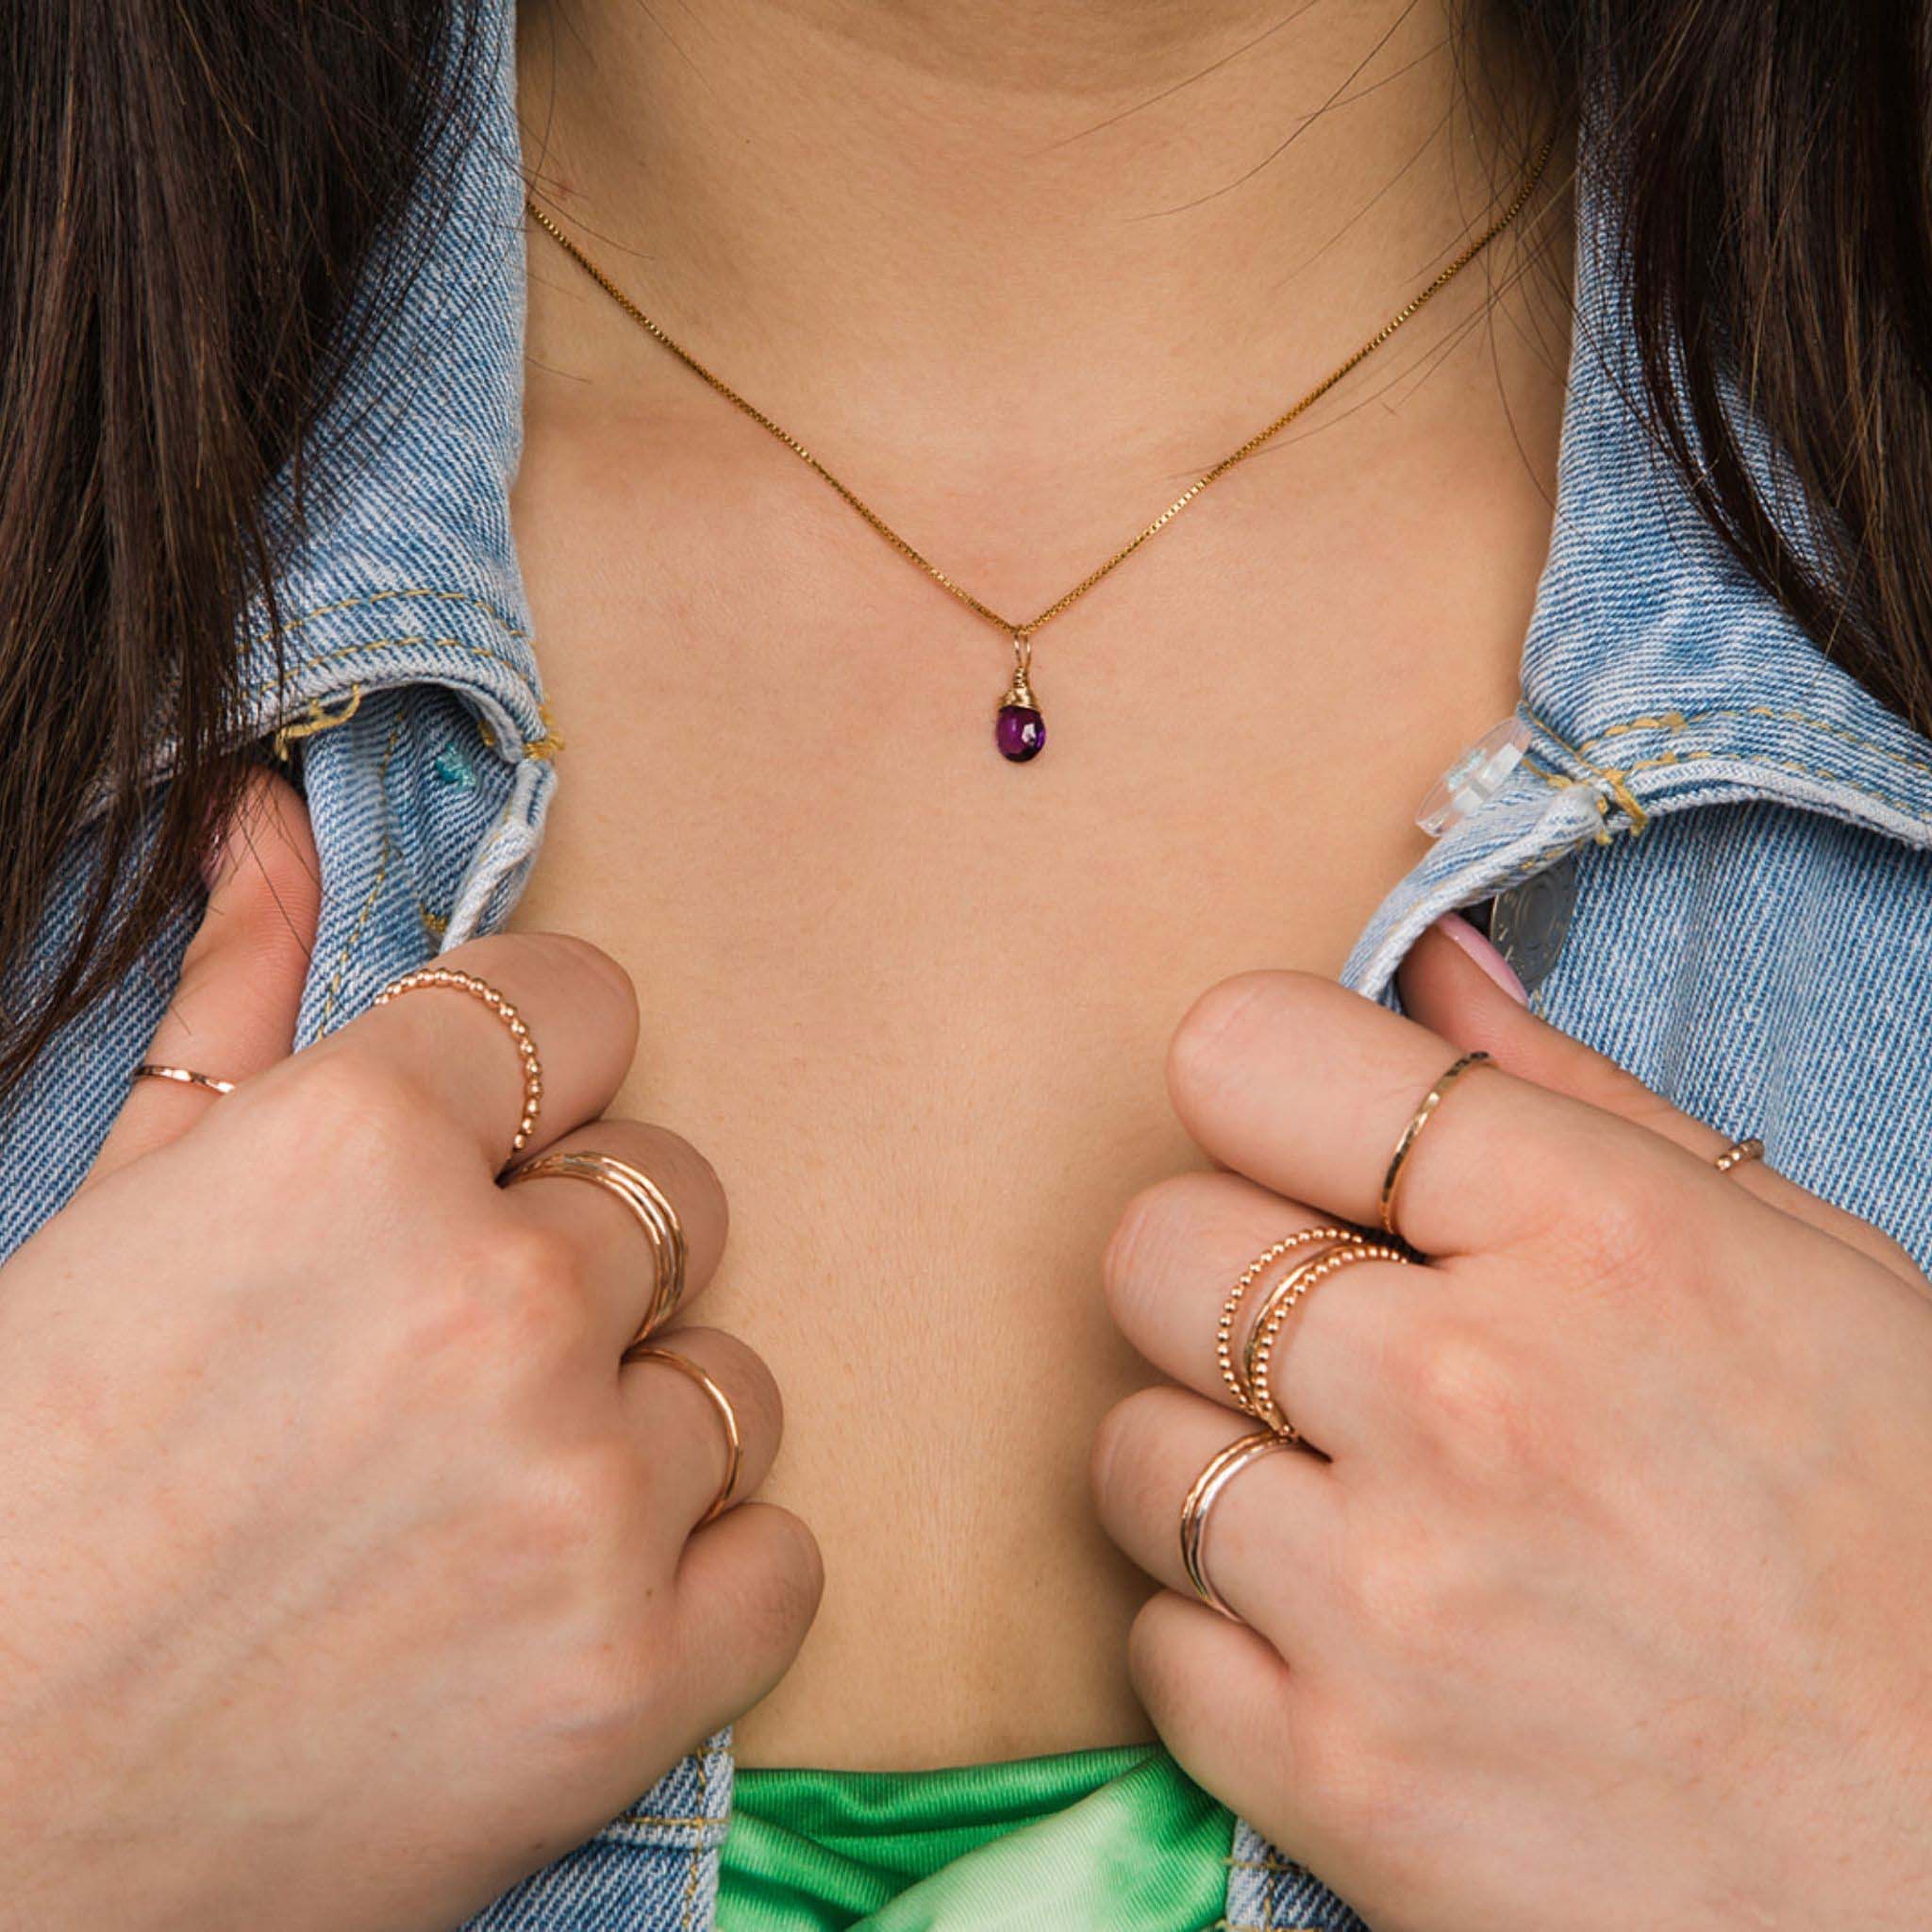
column 1287, row 1295
column 649, row 1206
column 1324, row 1240
column 1225, row 1466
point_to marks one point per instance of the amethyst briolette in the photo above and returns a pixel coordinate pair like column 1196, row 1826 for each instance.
column 1020, row 732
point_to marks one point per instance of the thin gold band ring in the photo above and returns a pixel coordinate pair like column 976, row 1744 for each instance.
column 734, row 1447
column 182, row 1076
column 1405, row 1146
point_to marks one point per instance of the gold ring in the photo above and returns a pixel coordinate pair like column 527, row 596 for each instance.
column 1227, row 1464
column 1411, row 1134
column 649, row 1206
column 184, row 1076
column 519, row 1033
column 1230, row 1309
column 1287, row 1295
column 734, row 1450
column 1738, row 1153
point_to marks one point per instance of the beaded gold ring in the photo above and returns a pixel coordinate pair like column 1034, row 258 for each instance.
column 1289, row 1296
column 1325, row 1238
column 430, row 977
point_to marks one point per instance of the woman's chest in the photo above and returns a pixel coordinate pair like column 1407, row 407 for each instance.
column 913, row 1000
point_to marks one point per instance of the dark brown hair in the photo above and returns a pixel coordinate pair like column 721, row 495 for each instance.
column 191, row 191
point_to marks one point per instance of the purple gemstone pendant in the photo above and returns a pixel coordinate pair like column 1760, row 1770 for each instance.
column 1019, row 731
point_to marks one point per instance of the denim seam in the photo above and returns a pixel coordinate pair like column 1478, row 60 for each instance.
column 1616, row 776
column 697, row 1849
column 1676, row 722
column 273, row 686
column 361, row 926
column 488, row 609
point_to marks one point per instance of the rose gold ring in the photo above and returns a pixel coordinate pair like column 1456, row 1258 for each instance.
column 1738, row 1153
column 1287, row 1295
column 519, row 1033
column 649, row 1204
column 1324, row 1240
column 734, row 1447
column 1405, row 1146
column 1226, row 1464
column 182, row 1076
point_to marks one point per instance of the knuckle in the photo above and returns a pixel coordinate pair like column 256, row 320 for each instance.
column 779, row 1597
column 1121, row 1470
column 507, row 1301
column 1143, row 1238
column 1624, row 1229
column 1356, row 1793
column 565, row 1526
column 1208, row 1041
column 342, row 1107
column 1398, row 1591
column 1469, row 1395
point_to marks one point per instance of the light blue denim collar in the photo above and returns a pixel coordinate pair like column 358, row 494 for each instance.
column 1656, row 677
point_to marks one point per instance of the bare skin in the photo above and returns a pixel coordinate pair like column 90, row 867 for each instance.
column 914, row 1002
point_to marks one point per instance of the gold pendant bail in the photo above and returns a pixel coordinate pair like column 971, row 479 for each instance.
column 1019, row 691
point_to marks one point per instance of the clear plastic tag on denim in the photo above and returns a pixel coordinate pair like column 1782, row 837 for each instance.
column 1475, row 778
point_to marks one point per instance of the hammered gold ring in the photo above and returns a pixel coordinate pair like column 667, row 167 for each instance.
column 649, row 1206
column 1738, row 1153
column 182, row 1076
column 1405, row 1144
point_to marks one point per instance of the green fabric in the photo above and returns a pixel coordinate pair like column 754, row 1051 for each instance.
column 1118, row 1840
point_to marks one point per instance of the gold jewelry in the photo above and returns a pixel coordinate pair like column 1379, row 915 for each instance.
column 734, row 1448
column 1226, row 1464
column 1738, row 1153
column 1287, row 1295
column 184, row 1077
column 1230, row 1309
column 1019, row 729
column 1417, row 1121
column 527, row 1047
column 648, row 1202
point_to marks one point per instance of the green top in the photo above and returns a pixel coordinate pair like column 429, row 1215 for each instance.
column 1116, row 1841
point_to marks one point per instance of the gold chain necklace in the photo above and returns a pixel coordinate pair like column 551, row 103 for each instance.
column 1019, row 729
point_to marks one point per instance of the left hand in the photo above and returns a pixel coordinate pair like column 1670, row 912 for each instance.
column 1613, row 1604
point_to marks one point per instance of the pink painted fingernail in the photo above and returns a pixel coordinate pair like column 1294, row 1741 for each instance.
column 1451, row 926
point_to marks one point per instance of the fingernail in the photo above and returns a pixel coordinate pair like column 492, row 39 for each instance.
column 1451, row 926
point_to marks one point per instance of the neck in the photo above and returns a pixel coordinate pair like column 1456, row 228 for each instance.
column 1138, row 228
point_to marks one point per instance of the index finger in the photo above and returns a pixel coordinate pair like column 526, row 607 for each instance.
column 1308, row 1088
column 548, row 1047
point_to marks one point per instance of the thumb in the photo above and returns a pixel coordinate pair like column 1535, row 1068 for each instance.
column 234, row 1009
column 1456, row 983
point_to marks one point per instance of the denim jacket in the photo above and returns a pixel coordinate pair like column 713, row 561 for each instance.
column 1715, row 863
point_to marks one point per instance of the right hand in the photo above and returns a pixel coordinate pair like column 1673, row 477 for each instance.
column 347, row 1577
